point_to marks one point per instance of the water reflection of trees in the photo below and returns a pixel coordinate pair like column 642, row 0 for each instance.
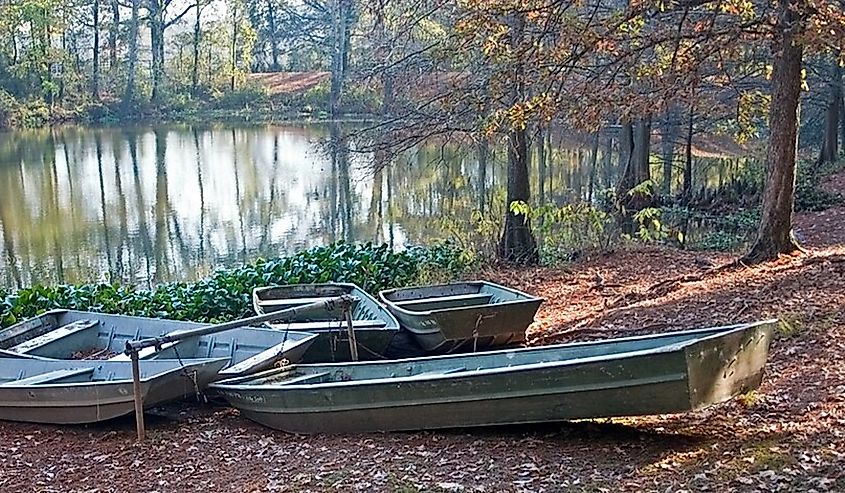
column 145, row 205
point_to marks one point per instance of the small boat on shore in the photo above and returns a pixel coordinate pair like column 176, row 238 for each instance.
column 655, row 374
column 76, row 392
column 75, row 335
column 463, row 315
column 375, row 327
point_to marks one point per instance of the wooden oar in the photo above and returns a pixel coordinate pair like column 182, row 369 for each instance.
column 132, row 347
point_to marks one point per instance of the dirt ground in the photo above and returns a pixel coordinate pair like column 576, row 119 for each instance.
column 788, row 436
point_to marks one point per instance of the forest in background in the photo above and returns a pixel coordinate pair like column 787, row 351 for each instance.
column 654, row 74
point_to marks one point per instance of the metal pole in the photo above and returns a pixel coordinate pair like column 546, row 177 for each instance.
column 353, row 342
column 139, row 401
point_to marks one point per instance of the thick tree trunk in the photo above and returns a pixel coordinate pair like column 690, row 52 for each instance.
column 129, row 95
column 774, row 235
column 156, row 22
column 638, row 169
column 95, row 75
column 517, row 243
column 830, row 139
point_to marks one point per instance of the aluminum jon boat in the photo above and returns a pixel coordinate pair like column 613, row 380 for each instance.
column 655, row 374
column 375, row 327
column 75, row 392
column 70, row 334
column 463, row 315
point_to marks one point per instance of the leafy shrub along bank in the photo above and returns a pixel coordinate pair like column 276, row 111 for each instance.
column 226, row 295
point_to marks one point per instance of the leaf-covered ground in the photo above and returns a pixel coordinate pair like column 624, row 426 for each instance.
column 788, row 436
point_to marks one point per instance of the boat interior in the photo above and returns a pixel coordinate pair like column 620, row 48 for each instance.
column 453, row 295
column 76, row 337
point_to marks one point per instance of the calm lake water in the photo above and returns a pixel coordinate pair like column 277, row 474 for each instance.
column 159, row 203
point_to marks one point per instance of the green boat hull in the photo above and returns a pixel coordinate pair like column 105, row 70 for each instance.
column 101, row 393
column 667, row 373
column 463, row 316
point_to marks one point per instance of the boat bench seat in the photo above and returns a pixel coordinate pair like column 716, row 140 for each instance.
column 327, row 324
column 292, row 302
column 53, row 335
column 441, row 302
column 305, row 378
column 50, row 376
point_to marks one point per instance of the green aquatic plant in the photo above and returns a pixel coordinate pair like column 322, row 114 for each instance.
column 226, row 294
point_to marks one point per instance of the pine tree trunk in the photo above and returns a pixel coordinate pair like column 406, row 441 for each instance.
column 774, row 235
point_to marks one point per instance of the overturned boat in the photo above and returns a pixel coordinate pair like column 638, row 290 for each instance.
column 463, row 316
column 655, row 374
column 71, row 334
column 75, row 392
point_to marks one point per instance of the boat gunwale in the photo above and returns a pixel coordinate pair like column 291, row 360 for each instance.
column 529, row 298
column 668, row 348
column 182, row 364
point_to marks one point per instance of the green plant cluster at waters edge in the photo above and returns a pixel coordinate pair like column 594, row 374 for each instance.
column 226, row 294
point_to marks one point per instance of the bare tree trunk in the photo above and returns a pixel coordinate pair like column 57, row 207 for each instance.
column 234, row 45
column 668, row 136
column 339, row 24
column 114, row 28
column 541, row 166
column 687, row 190
column 195, row 73
column 775, row 235
column 156, row 22
column 626, row 144
column 830, row 139
column 594, row 161
column 274, row 38
column 517, row 243
column 129, row 95
column 95, row 73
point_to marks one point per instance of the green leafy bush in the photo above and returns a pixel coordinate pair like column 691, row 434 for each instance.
column 33, row 113
column 226, row 295
column 8, row 108
column 245, row 97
